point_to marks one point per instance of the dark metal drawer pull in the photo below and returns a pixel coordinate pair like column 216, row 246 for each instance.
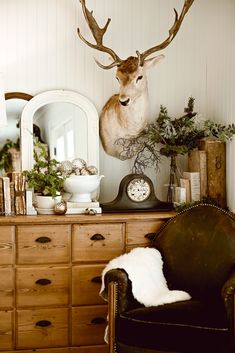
column 98, row 320
column 43, row 281
column 43, row 240
column 96, row 279
column 97, row 236
column 43, row 323
column 150, row 236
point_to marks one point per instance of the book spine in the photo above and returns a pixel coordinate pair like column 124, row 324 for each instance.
column 180, row 194
column 185, row 183
column 19, row 184
column 7, row 196
column 197, row 162
column 194, row 178
column 12, row 194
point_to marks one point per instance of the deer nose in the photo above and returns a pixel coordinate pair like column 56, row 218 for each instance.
column 126, row 102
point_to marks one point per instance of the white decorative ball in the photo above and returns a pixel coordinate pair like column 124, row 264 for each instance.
column 78, row 163
column 84, row 171
column 77, row 171
column 92, row 169
column 65, row 167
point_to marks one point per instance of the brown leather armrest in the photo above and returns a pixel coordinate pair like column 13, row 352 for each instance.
column 228, row 295
column 125, row 299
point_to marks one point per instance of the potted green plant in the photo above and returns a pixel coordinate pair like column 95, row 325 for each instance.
column 45, row 179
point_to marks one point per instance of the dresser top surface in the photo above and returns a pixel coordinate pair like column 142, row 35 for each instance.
column 82, row 218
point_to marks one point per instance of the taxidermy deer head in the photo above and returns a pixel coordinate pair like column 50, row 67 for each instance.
column 124, row 116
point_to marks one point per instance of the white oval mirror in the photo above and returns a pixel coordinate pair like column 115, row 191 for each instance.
column 66, row 121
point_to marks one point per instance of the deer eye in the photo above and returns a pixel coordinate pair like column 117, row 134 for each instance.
column 117, row 78
column 139, row 78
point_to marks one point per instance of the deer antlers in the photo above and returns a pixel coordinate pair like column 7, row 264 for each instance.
column 99, row 32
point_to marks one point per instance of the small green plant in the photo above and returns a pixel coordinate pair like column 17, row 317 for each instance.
column 44, row 178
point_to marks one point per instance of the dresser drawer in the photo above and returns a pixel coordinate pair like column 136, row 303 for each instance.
column 39, row 286
column 6, row 335
column 42, row 328
column 6, row 245
column 88, row 325
column 97, row 242
column 86, row 284
column 43, row 244
column 6, row 287
column 141, row 233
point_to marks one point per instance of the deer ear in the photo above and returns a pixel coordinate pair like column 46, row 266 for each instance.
column 153, row 61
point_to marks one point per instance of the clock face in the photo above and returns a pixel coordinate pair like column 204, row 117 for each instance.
column 138, row 190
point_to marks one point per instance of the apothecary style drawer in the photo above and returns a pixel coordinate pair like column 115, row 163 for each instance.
column 97, row 242
column 42, row 244
column 6, row 287
column 6, row 325
column 42, row 328
column 141, row 233
column 86, row 284
column 6, row 245
column 42, row 285
column 88, row 325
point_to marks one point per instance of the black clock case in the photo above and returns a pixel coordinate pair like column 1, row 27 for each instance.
column 123, row 203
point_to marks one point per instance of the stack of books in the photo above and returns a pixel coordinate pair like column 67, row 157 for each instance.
column 12, row 194
column 206, row 175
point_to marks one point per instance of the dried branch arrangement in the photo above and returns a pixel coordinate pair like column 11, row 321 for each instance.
column 171, row 136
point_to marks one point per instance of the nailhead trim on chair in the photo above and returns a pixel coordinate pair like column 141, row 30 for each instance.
column 189, row 208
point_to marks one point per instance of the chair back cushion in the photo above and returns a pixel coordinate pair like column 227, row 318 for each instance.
column 198, row 250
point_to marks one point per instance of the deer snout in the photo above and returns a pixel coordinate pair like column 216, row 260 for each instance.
column 124, row 102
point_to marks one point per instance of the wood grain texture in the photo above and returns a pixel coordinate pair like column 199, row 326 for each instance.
column 110, row 244
column 56, row 282
column 43, row 244
column 7, row 245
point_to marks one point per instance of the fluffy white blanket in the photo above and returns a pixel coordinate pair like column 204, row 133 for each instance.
column 144, row 267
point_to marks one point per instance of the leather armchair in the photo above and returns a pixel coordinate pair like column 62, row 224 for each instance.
column 198, row 251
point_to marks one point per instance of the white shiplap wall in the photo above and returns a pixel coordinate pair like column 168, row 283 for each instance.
column 40, row 50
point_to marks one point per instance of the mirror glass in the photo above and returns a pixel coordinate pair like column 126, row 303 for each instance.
column 55, row 124
column 66, row 122
column 10, row 135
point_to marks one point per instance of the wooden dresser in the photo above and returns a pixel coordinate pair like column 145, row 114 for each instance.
column 50, row 277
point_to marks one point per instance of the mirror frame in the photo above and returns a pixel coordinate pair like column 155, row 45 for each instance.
column 54, row 96
column 19, row 95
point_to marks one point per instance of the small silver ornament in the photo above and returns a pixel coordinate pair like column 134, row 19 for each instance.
column 78, row 163
column 77, row 171
column 60, row 207
column 92, row 169
column 84, row 171
column 65, row 167
column 90, row 211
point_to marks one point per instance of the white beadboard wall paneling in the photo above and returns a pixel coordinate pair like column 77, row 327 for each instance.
column 40, row 50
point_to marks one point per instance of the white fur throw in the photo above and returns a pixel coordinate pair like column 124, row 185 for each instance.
column 144, row 268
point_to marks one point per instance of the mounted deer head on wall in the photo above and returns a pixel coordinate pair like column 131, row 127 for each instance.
column 124, row 116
